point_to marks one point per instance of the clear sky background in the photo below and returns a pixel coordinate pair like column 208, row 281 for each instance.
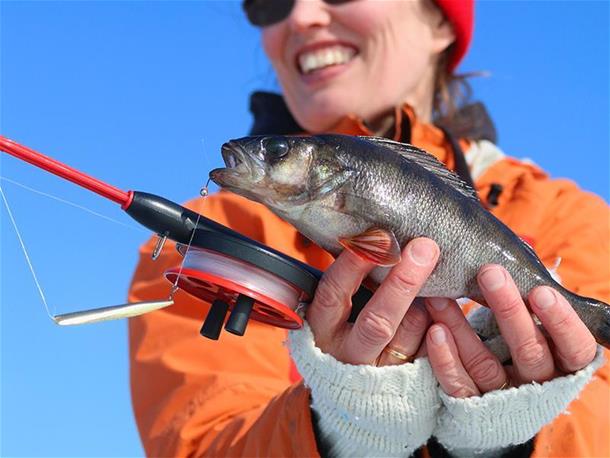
column 142, row 95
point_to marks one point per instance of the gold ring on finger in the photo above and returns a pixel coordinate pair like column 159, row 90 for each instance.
column 377, row 361
column 506, row 385
column 398, row 355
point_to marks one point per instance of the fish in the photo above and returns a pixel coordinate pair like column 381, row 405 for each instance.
column 372, row 195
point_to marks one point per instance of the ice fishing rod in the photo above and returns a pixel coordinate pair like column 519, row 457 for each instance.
column 232, row 272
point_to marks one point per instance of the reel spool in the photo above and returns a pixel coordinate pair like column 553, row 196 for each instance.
column 244, row 277
column 248, row 279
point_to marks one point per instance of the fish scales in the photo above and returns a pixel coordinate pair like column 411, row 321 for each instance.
column 411, row 202
column 373, row 195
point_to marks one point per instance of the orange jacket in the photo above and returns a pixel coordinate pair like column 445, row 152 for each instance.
column 239, row 396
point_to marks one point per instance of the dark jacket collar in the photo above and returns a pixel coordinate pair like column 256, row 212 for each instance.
column 272, row 117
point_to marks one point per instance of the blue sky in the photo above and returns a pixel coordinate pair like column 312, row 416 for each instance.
column 142, row 95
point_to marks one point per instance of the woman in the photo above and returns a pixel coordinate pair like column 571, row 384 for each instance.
column 383, row 68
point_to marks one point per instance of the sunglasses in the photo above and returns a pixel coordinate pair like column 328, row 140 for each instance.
column 262, row 13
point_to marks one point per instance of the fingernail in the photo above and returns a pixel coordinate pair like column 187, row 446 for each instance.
column 438, row 335
column 422, row 251
column 438, row 303
column 544, row 298
column 492, row 279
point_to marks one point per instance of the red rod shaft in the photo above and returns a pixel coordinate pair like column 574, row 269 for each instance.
column 65, row 171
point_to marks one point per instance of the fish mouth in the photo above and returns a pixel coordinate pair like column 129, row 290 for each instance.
column 239, row 167
column 232, row 154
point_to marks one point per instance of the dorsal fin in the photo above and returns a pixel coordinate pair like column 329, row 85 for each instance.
column 428, row 162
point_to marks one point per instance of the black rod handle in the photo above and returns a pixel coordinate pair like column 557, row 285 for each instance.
column 165, row 217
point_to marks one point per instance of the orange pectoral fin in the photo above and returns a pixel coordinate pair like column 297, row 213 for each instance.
column 376, row 245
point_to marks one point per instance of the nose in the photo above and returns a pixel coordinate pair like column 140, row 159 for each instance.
column 308, row 14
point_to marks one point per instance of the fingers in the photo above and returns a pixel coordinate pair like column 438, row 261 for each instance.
column 445, row 361
column 480, row 364
column 380, row 318
column 575, row 346
column 529, row 350
column 408, row 336
column 331, row 305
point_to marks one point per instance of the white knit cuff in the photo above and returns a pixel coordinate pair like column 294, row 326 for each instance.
column 507, row 417
column 367, row 410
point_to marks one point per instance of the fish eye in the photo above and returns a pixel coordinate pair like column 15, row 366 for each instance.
column 276, row 147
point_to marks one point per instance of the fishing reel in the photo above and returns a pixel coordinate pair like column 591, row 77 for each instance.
column 250, row 280
column 237, row 275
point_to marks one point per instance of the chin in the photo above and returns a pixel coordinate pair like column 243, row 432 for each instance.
column 321, row 117
column 318, row 126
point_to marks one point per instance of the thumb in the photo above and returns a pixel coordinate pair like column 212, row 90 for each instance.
column 331, row 305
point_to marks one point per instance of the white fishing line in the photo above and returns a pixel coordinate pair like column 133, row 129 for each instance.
column 204, row 193
column 27, row 258
column 67, row 202
column 84, row 316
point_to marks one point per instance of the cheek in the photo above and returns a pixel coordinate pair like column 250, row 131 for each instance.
column 397, row 43
column 395, row 32
column 360, row 17
column 289, row 174
column 273, row 39
column 293, row 171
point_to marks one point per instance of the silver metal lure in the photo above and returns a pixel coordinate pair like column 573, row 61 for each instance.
column 113, row 312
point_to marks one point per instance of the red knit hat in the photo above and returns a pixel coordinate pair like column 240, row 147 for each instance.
column 461, row 15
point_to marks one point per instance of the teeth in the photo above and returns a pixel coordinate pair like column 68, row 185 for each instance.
column 325, row 57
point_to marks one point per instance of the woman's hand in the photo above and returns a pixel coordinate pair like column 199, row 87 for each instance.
column 465, row 367
column 390, row 319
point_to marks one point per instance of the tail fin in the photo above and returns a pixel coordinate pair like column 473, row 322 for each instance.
column 595, row 314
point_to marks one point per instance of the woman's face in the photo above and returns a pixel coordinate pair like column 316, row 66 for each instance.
column 362, row 57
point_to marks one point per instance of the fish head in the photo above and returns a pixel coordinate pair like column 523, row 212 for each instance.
column 280, row 171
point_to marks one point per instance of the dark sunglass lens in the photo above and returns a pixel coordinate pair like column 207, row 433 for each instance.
column 262, row 13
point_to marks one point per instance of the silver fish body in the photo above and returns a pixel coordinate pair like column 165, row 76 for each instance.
column 335, row 187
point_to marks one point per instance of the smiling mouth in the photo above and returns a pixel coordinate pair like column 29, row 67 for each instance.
column 313, row 60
